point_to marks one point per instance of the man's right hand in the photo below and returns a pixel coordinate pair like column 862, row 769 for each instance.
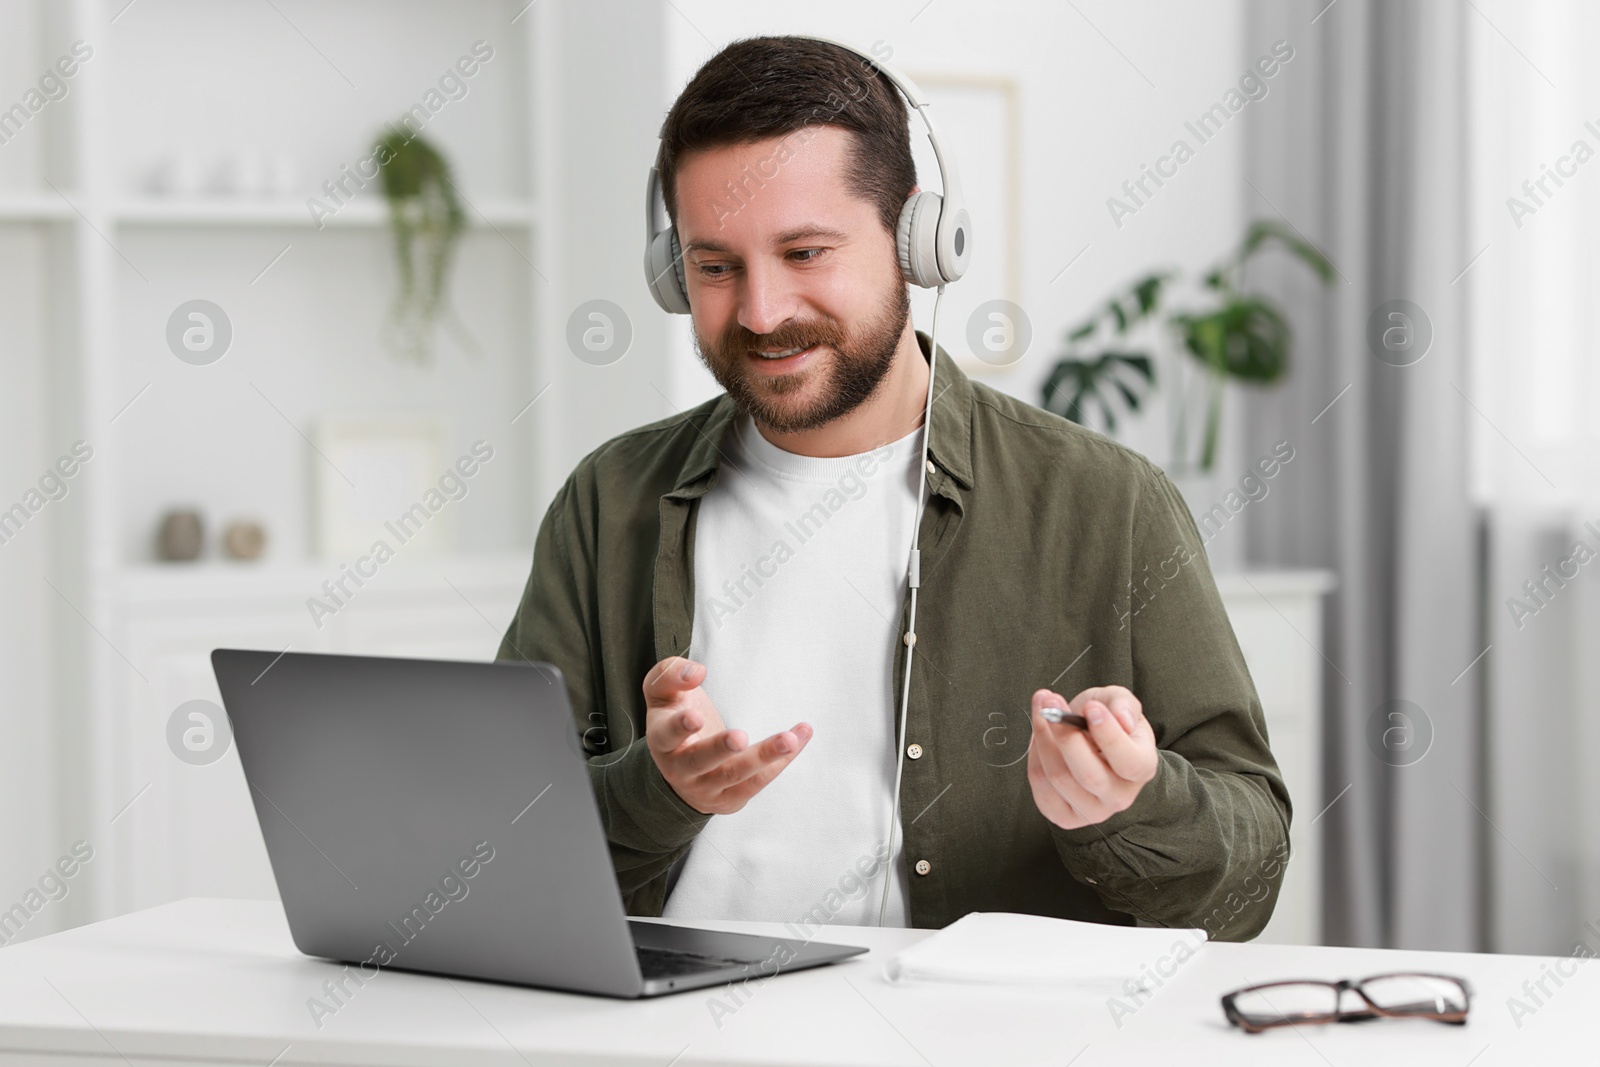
column 714, row 770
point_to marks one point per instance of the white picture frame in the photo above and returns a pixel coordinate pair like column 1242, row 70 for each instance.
column 979, row 117
column 369, row 471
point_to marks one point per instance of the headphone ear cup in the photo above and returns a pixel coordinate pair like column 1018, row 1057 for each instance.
column 917, row 239
column 678, row 271
column 955, row 244
column 665, row 273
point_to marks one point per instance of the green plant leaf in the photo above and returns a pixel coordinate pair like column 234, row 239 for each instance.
column 1129, row 397
column 1140, row 362
column 1148, row 293
column 1123, row 311
column 425, row 215
column 1247, row 338
column 1074, row 384
column 1265, row 230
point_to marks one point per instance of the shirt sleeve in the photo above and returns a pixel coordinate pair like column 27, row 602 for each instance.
column 648, row 826
column 1205, row 843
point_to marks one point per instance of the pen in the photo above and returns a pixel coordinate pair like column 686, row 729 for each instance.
column 1066, row 715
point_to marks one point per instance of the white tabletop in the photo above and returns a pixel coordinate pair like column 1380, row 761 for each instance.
column 218, row 981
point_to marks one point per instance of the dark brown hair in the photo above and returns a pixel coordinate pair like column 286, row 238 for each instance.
column 764, row 87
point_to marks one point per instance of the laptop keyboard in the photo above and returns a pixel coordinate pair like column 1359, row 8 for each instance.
column 665, row 963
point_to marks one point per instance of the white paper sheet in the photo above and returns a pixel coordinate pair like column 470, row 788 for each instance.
column 1000, row 947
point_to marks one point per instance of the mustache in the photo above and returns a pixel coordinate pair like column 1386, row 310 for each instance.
column 738, row 340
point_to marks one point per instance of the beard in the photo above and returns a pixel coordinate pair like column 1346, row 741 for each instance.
column 856, row 363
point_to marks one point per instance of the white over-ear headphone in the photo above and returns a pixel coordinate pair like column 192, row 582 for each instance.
column 934, row 243
column 933, row 239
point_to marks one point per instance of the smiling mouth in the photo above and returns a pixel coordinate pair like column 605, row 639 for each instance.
column 783, row 353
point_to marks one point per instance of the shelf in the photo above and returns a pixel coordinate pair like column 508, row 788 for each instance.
column 220, row 211
column 1273, row 582
column 219, row 583
column 223, row 211
column 16, row 207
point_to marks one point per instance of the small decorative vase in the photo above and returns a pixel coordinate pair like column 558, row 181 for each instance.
column 181, row 536
column 244, row 540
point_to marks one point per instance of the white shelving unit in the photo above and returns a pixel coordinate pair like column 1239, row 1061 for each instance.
column 293, row 213
column 24, row 209
column 123, row 637
column 196, row 831
column 235, row 211
column 1277, row 619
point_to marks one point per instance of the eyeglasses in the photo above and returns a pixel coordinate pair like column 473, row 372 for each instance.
column 1401, row 996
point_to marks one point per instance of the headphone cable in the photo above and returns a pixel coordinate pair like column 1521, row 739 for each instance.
column 913, row 580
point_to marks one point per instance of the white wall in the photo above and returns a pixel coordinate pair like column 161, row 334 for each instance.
column 606, row 102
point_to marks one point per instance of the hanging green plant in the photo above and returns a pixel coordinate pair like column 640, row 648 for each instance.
column 1246, row 338
column 426, row 218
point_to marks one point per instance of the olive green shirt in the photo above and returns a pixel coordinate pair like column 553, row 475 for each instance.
column 1051, row 557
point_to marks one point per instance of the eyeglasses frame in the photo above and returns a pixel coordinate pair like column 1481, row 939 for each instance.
column 1372, row 1010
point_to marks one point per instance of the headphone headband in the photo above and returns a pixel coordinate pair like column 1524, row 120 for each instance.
column 949, row 179
column 933, row 240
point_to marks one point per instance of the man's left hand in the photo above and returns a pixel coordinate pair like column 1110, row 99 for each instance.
column 1082, row 777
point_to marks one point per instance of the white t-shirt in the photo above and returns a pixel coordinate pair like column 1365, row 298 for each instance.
column 799, row 579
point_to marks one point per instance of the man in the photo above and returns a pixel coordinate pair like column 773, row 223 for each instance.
column 738, row 572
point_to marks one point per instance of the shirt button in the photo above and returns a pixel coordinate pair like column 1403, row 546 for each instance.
column 914, row 751
column 931, row 468
column 923, row 866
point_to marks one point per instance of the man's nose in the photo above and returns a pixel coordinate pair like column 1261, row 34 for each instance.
column 766, row 300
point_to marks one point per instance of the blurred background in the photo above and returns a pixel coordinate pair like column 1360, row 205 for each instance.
column 283, row 281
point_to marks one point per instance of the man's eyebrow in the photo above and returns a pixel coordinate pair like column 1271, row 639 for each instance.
column 806, row 233
column 799, row 233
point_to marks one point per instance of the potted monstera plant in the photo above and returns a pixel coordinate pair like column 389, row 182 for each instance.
column 1241, row 336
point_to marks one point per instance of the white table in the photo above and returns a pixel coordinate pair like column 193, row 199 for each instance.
column 218, row 981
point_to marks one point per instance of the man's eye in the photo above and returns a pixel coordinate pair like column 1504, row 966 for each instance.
column 807, row 254
column 713, row 270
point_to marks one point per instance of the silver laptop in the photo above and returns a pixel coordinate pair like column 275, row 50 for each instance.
column 437, row 816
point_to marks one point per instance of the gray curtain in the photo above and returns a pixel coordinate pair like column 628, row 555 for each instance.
column 1361, row 147
column 1540, row 287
